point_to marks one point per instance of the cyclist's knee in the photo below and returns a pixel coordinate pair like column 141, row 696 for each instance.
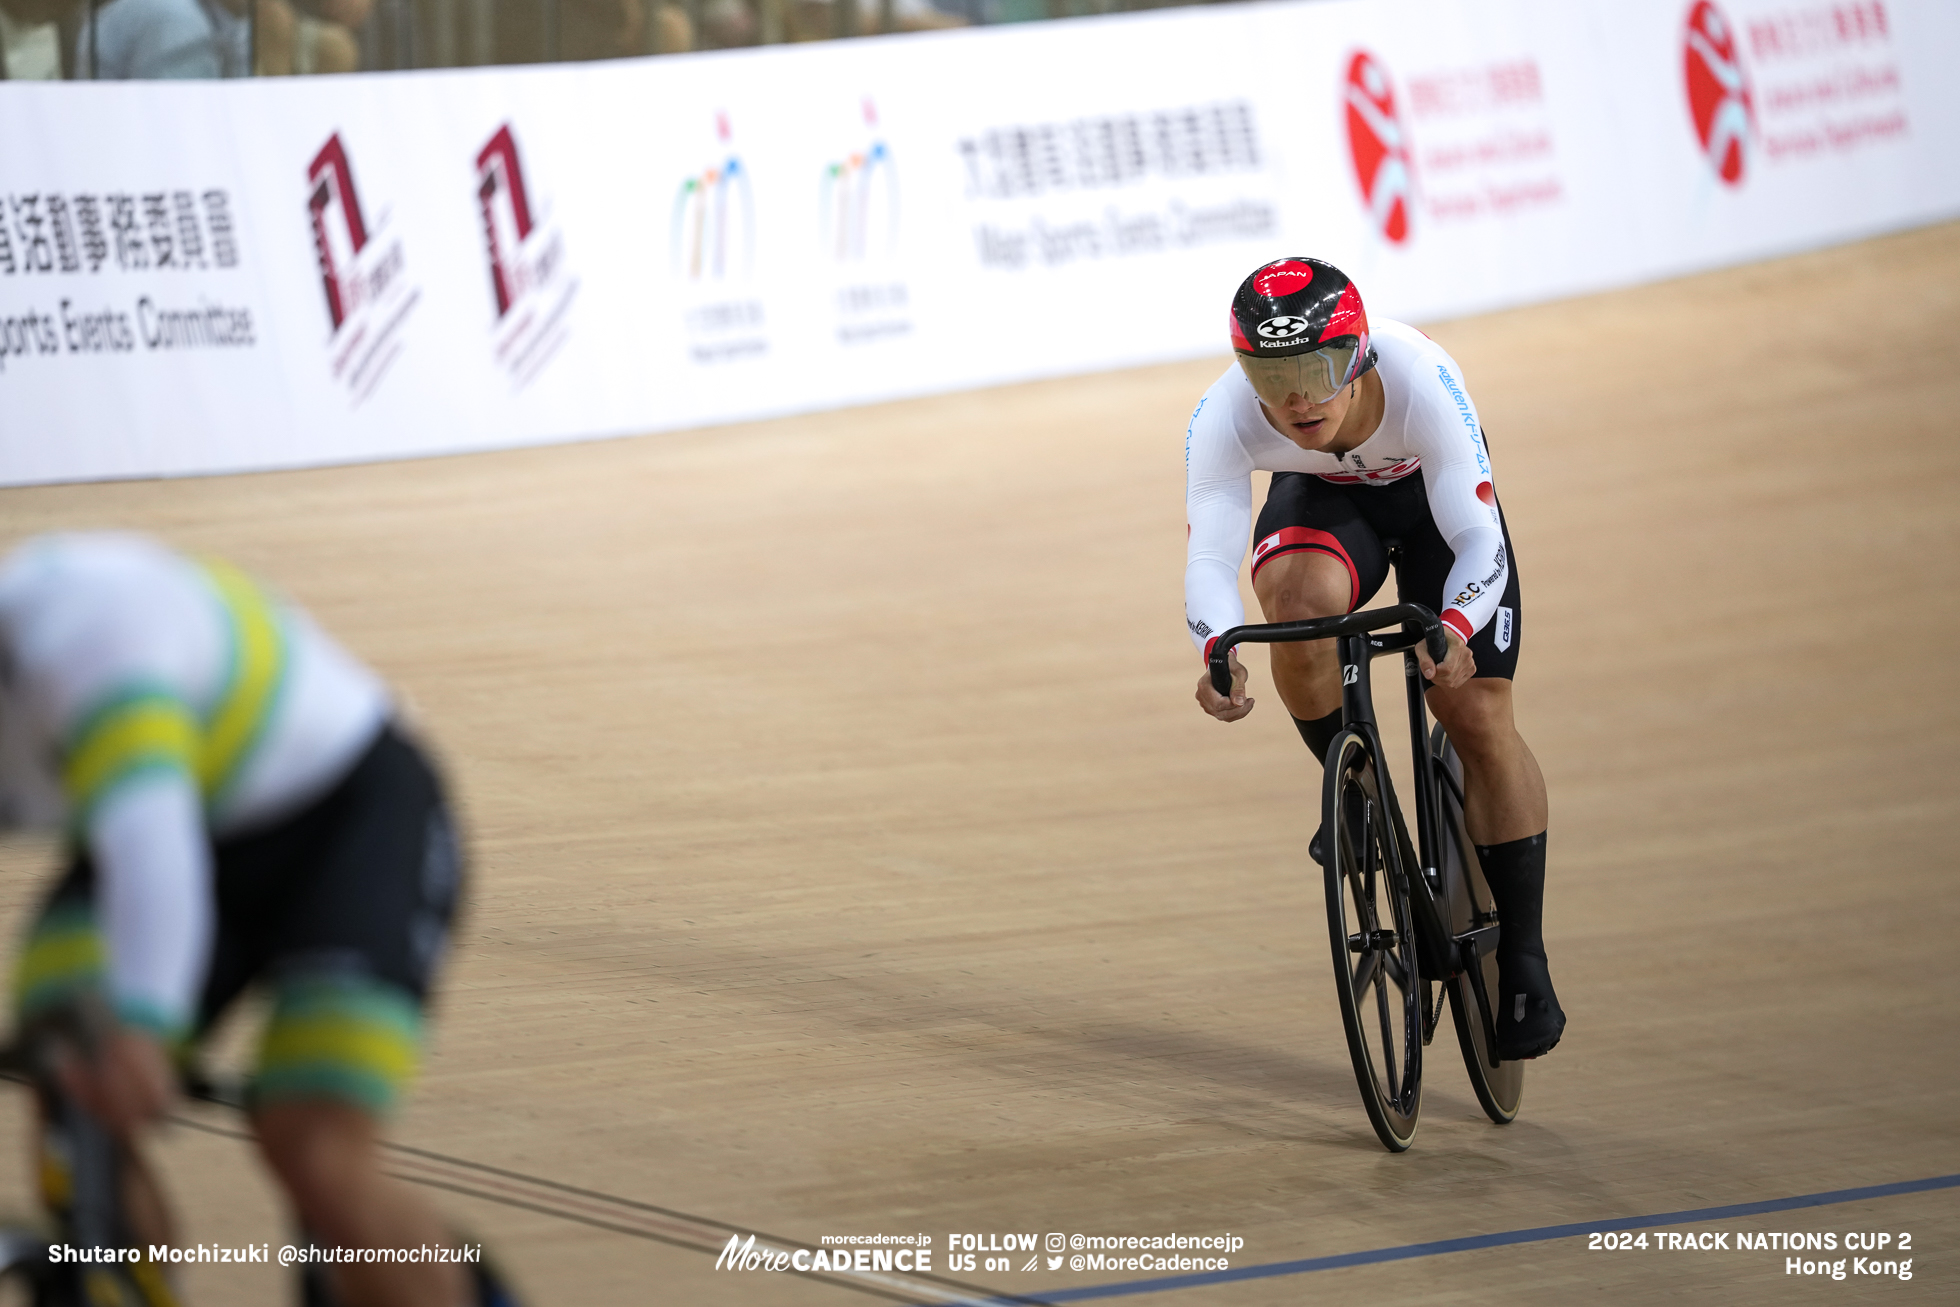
column 336, row 1056
column 1299, row 586
column 1477, row 715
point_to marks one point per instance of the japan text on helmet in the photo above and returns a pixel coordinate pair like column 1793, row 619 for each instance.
column 1300, row 329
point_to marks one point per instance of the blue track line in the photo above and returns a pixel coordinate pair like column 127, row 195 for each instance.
column 1404, row 1252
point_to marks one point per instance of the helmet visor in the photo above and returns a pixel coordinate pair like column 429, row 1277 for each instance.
column 1317, row 374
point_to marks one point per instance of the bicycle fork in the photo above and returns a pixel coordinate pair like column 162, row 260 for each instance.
column 1356, row 654
column 80, row 1176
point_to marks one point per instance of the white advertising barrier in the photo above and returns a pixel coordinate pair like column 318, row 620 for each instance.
column 211, row 277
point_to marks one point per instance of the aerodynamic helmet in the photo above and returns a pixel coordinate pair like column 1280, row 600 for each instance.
column 1300, row 329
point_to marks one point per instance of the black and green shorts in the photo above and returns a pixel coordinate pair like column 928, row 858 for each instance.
column 341, row 912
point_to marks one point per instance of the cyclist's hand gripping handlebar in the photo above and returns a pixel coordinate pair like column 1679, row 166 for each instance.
column 1418, row 623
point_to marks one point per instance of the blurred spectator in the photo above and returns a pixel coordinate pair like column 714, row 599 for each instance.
column 598, row 29
column 29, row 39
column 726, row 24
column 310, row 36
column 143, row 39
column 127, row 40
column 589, row 29
column 672, row 32
column 819, row 20
column 919, row 16
column 140, row 39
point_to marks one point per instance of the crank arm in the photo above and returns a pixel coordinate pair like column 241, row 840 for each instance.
column 1475, row 970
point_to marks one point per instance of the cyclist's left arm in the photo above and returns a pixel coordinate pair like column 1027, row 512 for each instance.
column 1463, row 503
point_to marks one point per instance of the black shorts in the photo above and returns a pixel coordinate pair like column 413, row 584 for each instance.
column 342, row 910
column 1357, row 524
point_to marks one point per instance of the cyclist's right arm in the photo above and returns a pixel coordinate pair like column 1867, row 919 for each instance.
column 142, row 822
column 101, row 659
column 1218, row 517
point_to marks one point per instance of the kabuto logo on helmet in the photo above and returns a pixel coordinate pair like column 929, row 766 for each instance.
column 1282, row 328
column 1379, row 146
column 1718, row 91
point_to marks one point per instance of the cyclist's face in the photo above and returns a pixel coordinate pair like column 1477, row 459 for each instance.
column 1308, row 425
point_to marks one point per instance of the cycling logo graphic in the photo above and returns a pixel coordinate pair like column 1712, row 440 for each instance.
column 362, row 272
column 859, row 201
column 1718, row 91
column 1379, row 147
column 713, row 230
column 499, row 174
column 526, row 253
column 332, row 183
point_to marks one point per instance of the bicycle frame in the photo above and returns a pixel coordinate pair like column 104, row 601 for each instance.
column 89, row 1164
column 1356, row 647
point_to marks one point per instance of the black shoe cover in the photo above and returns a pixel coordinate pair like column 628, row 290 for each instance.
column 1317, row 847
column 1529, row 1019
column 490, row 1289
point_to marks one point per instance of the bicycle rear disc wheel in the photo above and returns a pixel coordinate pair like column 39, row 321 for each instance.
column 1368, row 922
column 1500, row 1088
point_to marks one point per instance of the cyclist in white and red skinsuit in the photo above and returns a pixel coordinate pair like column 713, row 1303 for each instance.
column 1372, row 439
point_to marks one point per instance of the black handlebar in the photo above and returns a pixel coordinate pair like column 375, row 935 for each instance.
column 1419, row 621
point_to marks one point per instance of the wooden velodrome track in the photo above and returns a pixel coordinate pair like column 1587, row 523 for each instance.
column 851, row 858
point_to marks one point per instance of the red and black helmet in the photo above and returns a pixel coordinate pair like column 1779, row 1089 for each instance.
column 1300, row 329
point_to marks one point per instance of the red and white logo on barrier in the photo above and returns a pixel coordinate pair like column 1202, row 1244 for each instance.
column 533, row 287
column 330, row 189
column 498, row 173
column 1379, row 146
column 1718, row 91
column 363, row 271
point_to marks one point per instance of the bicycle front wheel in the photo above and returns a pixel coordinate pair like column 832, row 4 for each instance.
column 23, row 1267
column 1499, row 1088
column 1368, row 921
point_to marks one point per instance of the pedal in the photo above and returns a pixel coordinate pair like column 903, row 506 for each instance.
column 1373, row 941
column 1472, row 946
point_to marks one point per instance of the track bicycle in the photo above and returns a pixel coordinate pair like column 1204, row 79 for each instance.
column 81, row 1171
column 1405, row 921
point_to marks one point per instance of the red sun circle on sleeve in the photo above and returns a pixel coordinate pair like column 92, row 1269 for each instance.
column 1485, row 493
